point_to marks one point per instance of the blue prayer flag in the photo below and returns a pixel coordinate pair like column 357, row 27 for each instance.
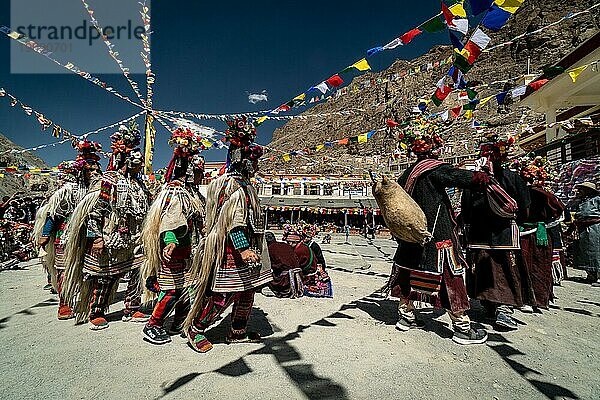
column 495, row 18
column 500, row 97
column 374, row 50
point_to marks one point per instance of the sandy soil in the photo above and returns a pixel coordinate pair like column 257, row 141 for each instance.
column 341, row 348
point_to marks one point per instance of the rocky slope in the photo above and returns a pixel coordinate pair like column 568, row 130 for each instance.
column 396, row 99
column 12, row 183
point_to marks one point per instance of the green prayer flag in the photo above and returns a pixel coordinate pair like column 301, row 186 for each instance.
column 471, row 93
column 435, row 100
column 433, row 25
column 553, row 71
column 462, row 63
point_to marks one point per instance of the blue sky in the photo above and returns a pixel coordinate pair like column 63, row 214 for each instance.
column 209, row 55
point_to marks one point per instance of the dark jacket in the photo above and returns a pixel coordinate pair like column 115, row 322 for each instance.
column 430, row 194
column 485, row 229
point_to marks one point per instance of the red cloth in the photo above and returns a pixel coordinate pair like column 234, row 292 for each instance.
column 474, row 51
column 538, row 84
column 448, row 16
column 335, row 81
column 410, row 35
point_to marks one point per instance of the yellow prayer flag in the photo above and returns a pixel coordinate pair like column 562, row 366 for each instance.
column 261, row 120
column 35, row 170
column 320, row 147
column 362, row 138
column 483, row 101
column 362, row 65
column 468, row 114
column 14, row 35
column 458, row 10
column 1, row 175
column 286, row 157
column 300, row 97
column 510, row 6
column 403, row 145
column 574, row 73
column 207, row 144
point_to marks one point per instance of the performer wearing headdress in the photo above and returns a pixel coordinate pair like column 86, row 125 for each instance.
column 316, row 281
column 171, row 231
column 545, row 214
column 105, row 236
column 236, row 260
column 433, row 272
column 493, row 235
column 58, row 212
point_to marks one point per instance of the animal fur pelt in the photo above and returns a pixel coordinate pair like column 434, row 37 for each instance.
column 74, row 253
column 171, row 209
column 45, row 254
column 219, row 221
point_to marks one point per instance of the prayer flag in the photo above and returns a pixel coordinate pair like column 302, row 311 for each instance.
column 574, row 73
column 393, row 44
column 335, row 81
column 440, row 95
column 468, row 114
column 480, row 39
column 410, row 35
column 343, row 141
column 456, row 111
column 448, row 16
column 370, row 134
column 322, row 87
column 319, row 147
column 471, row 51
column 471, row 94
column 485, row 100
column 479, row 6
column 433, row 25
column 353, row 139
column 509, row 5
column 460, row 24
column 536, row 85
column 373, row 51
column 518, row 91
column 2, row 92
column 362, row 65
column 461, row 60
column 286, row 157
column 260, row 120
column 456, row 43
column 500, row 97
column 495, row 18
column 552, row 72
column 445, row 115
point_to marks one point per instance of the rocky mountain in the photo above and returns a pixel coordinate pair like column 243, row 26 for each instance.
column 12, row 183
column 376, row 97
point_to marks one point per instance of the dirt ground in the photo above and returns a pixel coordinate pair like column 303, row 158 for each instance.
column 340, row 348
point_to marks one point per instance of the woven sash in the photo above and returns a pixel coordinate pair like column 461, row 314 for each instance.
column 418, row 170
column 500, row 202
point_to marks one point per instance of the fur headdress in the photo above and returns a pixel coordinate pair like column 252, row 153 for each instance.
column 124, row 144
column 242, row 149
column 421, row 136
column 186, row 154
column 496, row 146
column 87, row 156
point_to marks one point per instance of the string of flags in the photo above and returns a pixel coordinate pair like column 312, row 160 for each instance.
column 258, row 119
column 146, row 53
column 287, row 156
column 113, row 54
column 29, row 43
column 454, row 18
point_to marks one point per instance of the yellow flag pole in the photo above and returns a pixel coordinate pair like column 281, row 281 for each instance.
column 149, row 135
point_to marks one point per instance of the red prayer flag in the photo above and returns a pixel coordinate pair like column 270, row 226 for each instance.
column 283, row 107
column 343, row 141
column 538, row 84
column 448, row 16
column 391, row 123
column 456, row 111
column 410, row 35
column 473, row 50
column 335, row 81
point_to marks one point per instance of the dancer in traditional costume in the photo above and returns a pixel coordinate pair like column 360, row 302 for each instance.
column 171, row 233
column 58, row 210
column 287, row 275
column 316, row 281
column 433, row 273
column 492, row 234
column 545, row 213
column 236, row 260
column 587, row 221
column 104, row 236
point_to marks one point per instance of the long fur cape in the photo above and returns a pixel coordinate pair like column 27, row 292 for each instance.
column 172, row 199
column 74, row 283
column 47, row 253
column 219, row 221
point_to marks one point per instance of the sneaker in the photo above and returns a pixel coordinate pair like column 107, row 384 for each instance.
column 506, row 321
column 176, row 328
column 65, row 312
column 156, row 334
column 48, row 286
column 404, row 325
column 99, row 323
column 527, row 309
column 474, row 336
column 136, row 316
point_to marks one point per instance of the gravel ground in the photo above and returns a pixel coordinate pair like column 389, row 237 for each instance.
column 340, row 348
